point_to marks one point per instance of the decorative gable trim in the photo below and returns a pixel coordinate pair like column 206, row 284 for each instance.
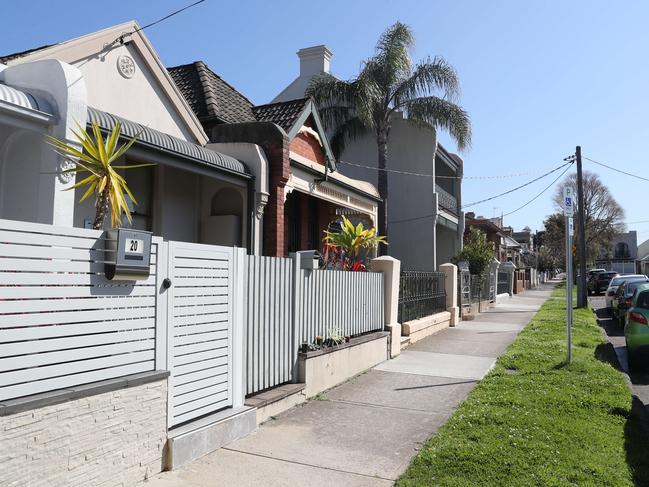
column 94, row 44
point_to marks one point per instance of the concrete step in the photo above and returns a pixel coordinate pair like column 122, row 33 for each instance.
column 195, row 439
column 274, row 401
column 405, row 341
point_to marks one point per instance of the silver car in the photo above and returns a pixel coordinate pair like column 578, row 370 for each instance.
column 615, row 283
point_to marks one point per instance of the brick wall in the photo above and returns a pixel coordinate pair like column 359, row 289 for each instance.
column 307, row 146
column 110, row 439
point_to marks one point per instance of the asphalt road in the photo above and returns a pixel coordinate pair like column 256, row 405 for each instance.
column 639, row 378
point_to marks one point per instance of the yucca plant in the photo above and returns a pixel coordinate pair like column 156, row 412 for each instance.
column 96, row 158
column 345, row 246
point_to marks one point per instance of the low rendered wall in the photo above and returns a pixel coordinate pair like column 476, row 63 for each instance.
column 112, row 438
column 423, row 327
column 323, row 369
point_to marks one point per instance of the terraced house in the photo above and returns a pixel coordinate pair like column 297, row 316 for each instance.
column 306, row 191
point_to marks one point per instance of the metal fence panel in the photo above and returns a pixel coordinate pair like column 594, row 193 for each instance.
column 350, row 303
column 269, row 344
column 503, row 282
column 62, row 323
column 420, row 294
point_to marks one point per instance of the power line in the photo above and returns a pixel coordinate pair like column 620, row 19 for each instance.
column 408, row 173
column 543, row 191
column 155, row 22
column 615, row 169
column 568, row 164
column 517, row 187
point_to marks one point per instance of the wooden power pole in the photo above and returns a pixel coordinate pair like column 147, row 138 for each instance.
column 581, row 250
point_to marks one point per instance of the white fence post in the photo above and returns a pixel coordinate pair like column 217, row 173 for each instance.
column 450, row 287
column 297, row 312
column 161, row 322
column 391, row 269
column 238, row 326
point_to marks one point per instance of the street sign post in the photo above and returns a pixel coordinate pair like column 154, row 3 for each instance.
column 568, row 211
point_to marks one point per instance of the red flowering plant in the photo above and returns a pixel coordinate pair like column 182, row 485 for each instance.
column 344, row 249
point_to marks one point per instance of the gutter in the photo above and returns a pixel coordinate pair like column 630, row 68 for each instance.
column 336, row 181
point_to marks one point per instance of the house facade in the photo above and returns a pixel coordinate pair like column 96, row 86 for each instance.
column 425, row 221
column 622, row 255
column 191, row 193
column 306, row 190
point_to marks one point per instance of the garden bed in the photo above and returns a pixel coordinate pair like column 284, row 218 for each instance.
column 322, row 369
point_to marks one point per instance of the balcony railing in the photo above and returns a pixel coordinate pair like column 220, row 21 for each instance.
column 446, row 200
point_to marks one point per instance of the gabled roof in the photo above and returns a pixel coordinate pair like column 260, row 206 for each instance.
column 96, row 43
column 10, row 57
column 285, row 114
column 209, row 95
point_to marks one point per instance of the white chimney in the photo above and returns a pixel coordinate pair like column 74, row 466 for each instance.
column 314, row 60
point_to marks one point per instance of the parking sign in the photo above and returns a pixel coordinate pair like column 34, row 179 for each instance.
column 568, row 201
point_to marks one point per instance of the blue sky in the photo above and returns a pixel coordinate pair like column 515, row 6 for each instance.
column 538, row 77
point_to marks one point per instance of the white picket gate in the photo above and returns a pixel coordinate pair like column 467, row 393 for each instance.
column 200, row 329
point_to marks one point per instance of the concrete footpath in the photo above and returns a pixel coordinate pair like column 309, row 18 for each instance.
column 365, row 431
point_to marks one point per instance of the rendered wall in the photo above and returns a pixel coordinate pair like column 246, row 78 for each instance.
column 410, row 149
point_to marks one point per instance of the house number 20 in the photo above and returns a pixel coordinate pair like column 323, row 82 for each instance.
column 134, row 246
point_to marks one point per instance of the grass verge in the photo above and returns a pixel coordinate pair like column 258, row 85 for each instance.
column 536, row 421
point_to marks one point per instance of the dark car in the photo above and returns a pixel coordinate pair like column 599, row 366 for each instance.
column 599, row 282
column 623, row 299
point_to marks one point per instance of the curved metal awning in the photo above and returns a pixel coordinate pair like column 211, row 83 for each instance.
column 157, row 140
column 25, row 105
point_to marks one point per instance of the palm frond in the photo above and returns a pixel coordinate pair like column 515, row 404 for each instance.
column 441, row 114
column 352, row 129
column 428, row 77
column 393, row 52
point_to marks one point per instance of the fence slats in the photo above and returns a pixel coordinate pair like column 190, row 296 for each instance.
column 62, row 323
column 338, row 302
column 268, row 343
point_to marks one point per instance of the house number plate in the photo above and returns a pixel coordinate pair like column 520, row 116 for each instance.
column 134, row 246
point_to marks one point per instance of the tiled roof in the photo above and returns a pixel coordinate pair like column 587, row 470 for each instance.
column 209, row 95
column 9, row 57
column 284, row 114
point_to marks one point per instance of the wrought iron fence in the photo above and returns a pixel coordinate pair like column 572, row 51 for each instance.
column 476, row 288
column 446, row 200
column 503, row 282
column 421, row 294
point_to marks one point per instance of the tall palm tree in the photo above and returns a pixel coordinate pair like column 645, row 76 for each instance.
column 389, row 82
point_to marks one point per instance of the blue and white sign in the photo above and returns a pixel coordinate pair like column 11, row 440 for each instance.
column 568, row 201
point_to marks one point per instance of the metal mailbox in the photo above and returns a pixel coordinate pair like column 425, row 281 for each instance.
column 128, row 254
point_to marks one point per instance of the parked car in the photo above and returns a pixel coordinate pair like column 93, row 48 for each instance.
column 623, row 299
column 616, row 281
column 594, row 272
column 599, row 282
column 636, row 330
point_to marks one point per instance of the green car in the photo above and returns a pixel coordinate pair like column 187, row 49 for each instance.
column 636, row 330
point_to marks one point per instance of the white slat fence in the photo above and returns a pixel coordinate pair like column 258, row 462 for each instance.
column 62, row 323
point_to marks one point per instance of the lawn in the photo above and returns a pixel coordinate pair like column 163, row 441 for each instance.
column 536, row 421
